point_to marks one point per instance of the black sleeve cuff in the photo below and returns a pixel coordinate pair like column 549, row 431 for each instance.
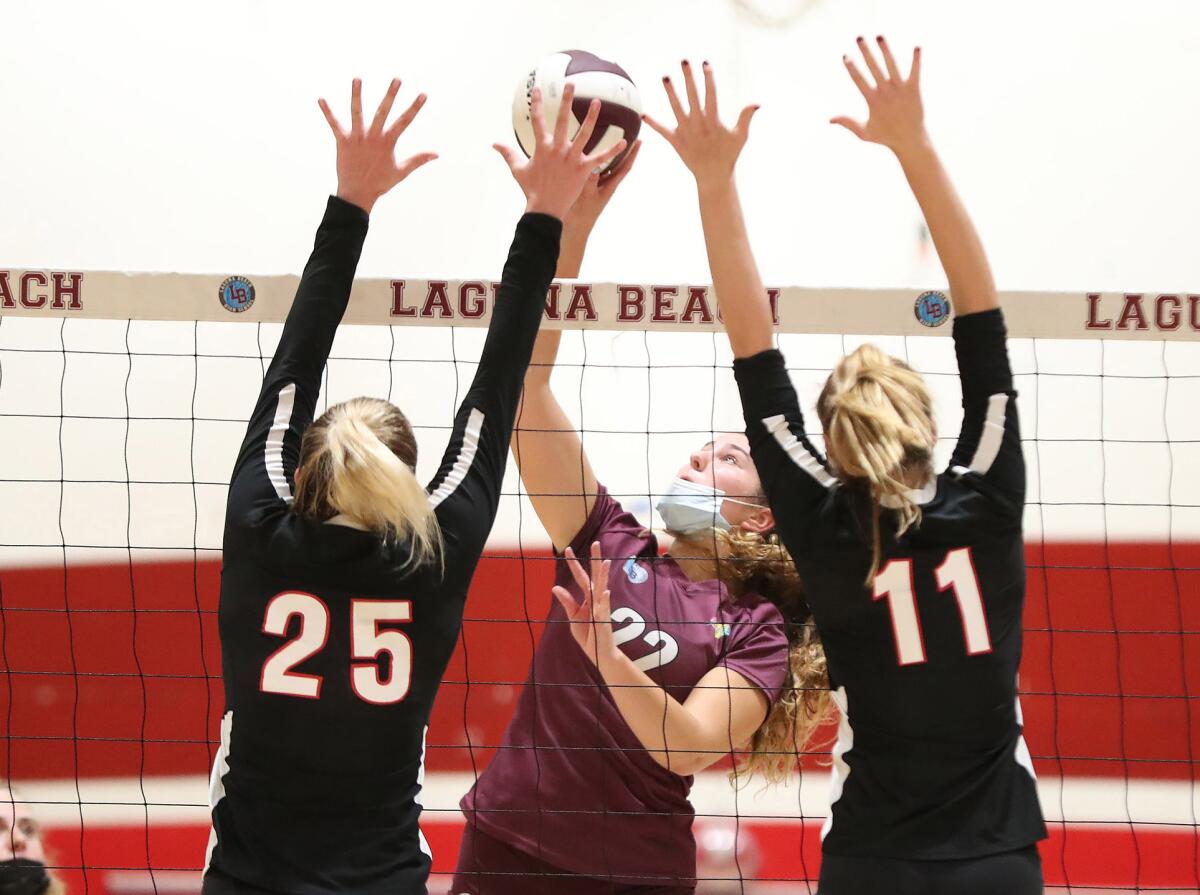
column 340, row 213
column 541, row 226
column 981, row 323
column 759, row 366
column 981, row 346
column 764, row 385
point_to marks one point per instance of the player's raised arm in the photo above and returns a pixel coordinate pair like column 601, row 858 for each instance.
column 896, row 119
column 710, row 150
column 786, row 461
column 989, row 445
column 366, row 169
column 551, row 180
column 548, row 451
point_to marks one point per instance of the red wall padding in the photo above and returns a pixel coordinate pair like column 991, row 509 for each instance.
column 1111, row 682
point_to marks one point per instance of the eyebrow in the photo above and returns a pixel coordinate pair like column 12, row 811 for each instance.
column 736, row 447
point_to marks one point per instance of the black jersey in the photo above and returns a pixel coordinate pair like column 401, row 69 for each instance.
column 929, row 760
column 332, row 654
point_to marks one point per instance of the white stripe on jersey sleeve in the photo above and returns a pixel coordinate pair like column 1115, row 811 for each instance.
column 1021, row 750
column 274, row 450
column 216, row 783
column 466, row 456
column 778, row 427
column 991, row 438
column 841, row 770
column 421, row 840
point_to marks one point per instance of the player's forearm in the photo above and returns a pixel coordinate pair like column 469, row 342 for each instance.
column 324, row 289
column 574, row 245
column 740, row 291
column 670, row 733
column 557, row 475
column 958, row 245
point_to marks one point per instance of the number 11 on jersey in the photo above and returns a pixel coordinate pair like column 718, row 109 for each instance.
column 957, row 573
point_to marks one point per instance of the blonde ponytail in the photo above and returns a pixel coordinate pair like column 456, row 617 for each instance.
column 879, row 431
column 357, row 461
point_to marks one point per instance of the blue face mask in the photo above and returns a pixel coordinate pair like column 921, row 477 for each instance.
column 687, row 507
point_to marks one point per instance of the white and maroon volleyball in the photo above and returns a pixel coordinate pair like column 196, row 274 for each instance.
column 594, row 78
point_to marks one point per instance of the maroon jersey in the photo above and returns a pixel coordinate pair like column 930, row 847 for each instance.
column 571, row 784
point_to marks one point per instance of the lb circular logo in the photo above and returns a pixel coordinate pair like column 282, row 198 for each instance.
column 236, row 294
column 932, row 308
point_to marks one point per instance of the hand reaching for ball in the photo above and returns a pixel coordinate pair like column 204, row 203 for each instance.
column 896, row 116
column 708, row 148
column 366, row 157
column 559, row 169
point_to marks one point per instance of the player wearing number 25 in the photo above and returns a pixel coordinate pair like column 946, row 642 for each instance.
column 344, row 579
column 916, row 580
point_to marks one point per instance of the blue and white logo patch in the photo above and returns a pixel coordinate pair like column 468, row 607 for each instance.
column 635, row 573
column 932, row 308
column 236, row 294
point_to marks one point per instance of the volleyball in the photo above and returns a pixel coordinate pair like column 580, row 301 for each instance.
column 594, row 78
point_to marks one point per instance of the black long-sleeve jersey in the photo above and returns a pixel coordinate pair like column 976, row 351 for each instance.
column 332, row 654
column 929, row 761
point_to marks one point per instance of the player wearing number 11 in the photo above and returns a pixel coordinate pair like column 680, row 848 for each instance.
column 916, row 580
column 344, row 579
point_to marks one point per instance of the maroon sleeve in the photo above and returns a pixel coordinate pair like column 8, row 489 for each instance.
column 606, row 515
column 758, row 648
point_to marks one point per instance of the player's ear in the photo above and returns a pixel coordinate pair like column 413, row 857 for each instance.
column 761, row 522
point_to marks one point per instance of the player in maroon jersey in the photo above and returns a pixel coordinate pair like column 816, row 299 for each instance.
column 916, row 579
column 589, row 790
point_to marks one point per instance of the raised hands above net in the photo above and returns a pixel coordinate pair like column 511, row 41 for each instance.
column 708, row 148
column 366, row 157
column 896, row 117
column 559, row 168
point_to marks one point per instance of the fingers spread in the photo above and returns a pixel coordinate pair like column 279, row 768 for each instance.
column 661, row 129
column 597, row 160
column 857, row 77
column 851, row 125
column 509, row 155
column 577, row 571
column 537, row 116
column 872, row 65
column 673, row 99
column 415, row 162
column 400, row 125
column 889, row 60
column 385, row 107
column 570, row 607
column 333, row 122
column 615, row 176
column 689, row 83
column 914, row 74
column 589, row 125
column 744, row 119
column 564, row 114
column 356, row 119
column 710, row 93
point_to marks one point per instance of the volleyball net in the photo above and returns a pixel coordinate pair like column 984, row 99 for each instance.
column 123, row 400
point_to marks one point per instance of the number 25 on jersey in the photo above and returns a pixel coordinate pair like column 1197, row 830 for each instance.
column 956, row 573
column 367, row 642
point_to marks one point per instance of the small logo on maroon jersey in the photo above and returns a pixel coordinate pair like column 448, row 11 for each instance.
column 635, row 573
column 720, row 629
column 932, row 308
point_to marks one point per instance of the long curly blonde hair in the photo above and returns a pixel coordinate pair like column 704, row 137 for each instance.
column 748, row 562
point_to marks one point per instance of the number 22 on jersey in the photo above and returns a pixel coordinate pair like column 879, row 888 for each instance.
column 367, row 642
column 956, row 573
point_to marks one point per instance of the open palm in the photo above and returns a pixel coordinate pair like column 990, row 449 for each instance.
column 896, row 116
